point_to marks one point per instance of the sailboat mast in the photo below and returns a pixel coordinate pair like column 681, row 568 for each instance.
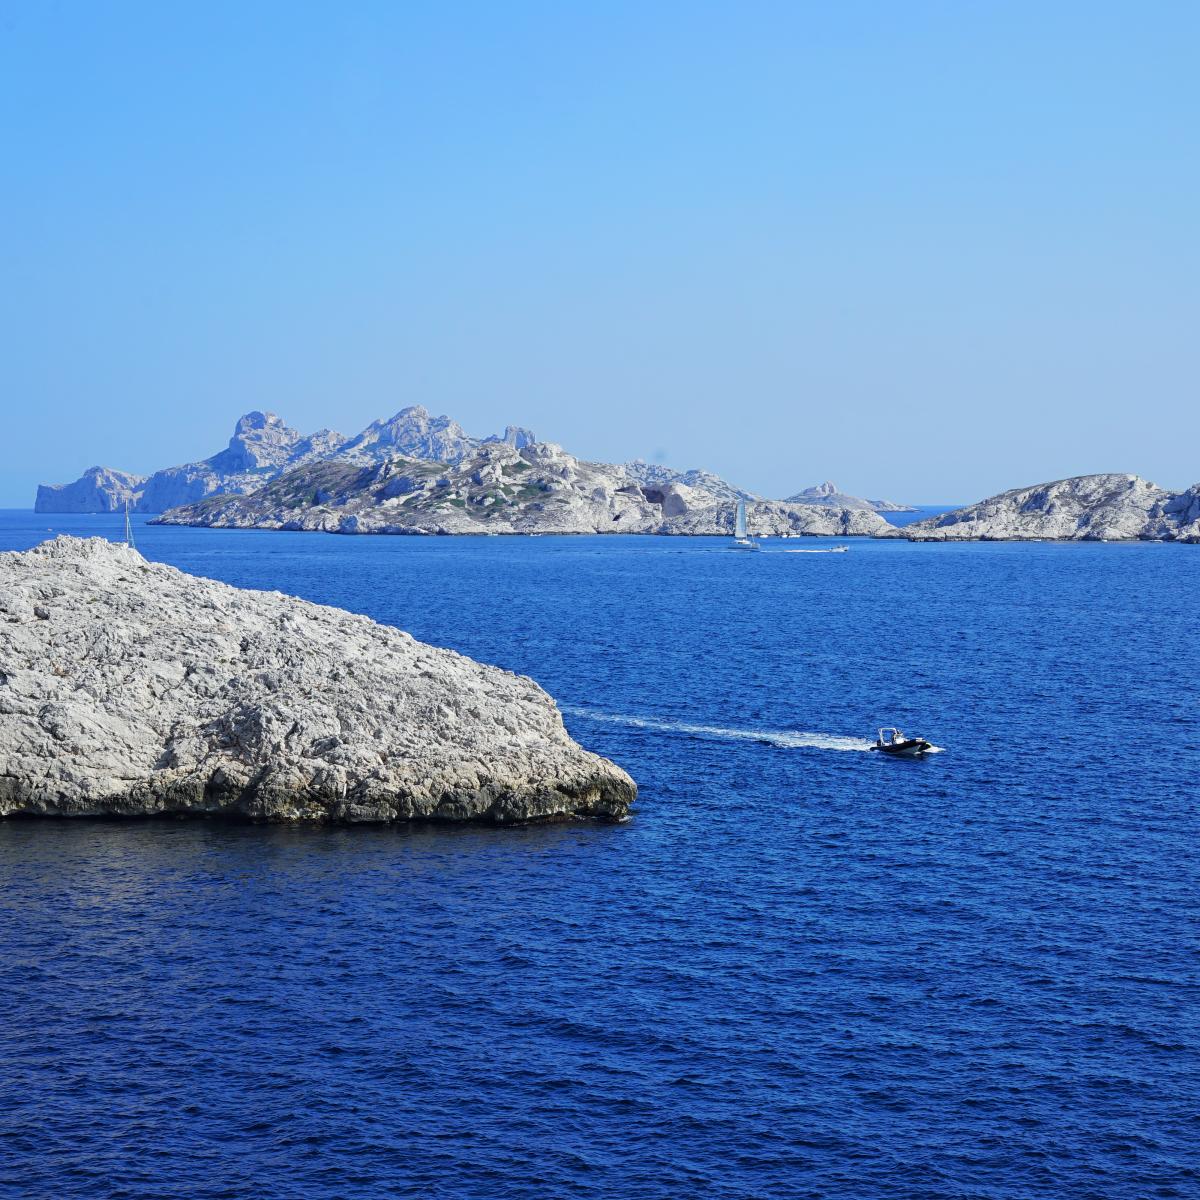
column 128, row 528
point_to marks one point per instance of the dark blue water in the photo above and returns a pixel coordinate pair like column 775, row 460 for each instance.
column 799, row 971
column 919, row 513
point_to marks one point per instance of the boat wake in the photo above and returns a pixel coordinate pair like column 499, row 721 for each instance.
column 787, row 738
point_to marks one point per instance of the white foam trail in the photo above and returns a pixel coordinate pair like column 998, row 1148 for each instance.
column 788, row 738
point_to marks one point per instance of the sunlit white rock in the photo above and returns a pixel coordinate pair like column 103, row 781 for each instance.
column 129, row 687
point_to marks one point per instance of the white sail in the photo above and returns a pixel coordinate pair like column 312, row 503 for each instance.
column 739, row 530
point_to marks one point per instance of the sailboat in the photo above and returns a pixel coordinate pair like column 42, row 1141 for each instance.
column 741, row 540
column 128, row 528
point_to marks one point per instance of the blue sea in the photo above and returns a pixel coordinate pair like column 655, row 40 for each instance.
column 800, row 970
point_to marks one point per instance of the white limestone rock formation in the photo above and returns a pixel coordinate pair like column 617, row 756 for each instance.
column 827, row 493
column 701, row 481
column 500, row 489
column 261, row 441
column 516, row 436
column 1177, row 519
column 262, row 448
column 1110, row 507
column 131, row 688
column 778, row 518
column 98, row 489
column 414, row 433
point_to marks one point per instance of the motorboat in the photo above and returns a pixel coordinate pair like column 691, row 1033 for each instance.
column 741, row 539
column 892, row 741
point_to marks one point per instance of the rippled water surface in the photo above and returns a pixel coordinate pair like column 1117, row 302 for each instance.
column 799, row 970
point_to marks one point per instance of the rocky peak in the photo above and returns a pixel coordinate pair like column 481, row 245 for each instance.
column 260, row 440
column 827, row 493
column 249, row 422
column 412, row 431
column 518, row 436
column 514, row 435
column 98, row 489
column 546, row 452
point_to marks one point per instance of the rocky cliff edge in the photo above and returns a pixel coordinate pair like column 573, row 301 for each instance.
column 1111, row 507
column 131, row 688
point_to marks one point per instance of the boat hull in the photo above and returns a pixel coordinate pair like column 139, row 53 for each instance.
column 912, row 748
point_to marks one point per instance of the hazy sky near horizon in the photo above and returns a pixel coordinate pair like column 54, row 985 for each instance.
column 928, row 250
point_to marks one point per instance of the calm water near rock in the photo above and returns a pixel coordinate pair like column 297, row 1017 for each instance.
column 798, row 971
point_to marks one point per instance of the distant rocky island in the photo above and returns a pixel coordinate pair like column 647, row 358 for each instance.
column 130, row 688
column 417, row 473
column 262, row 448
column 1083, row 508
column 422, row 474
column 503, row 489
column 829, row 494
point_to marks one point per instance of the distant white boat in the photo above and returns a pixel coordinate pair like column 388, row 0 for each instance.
column 741, row 539
column 893, row 742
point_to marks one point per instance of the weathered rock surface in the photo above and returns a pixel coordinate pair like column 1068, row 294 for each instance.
column 130, row 688
column 1178, row 518
column 98, row 489
column 516, row 436
column 1085, row 507
column 413, row 433
column 700, row 481
column 262, row 448
column 539, row 488
column 828, row 493
column 328, row 482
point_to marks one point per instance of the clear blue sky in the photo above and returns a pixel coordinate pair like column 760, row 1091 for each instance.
column 929, row 250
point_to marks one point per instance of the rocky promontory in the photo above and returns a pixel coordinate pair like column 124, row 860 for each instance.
column 129, row 688
column 503, row 489
column 97, row 490
column 1109, row 507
